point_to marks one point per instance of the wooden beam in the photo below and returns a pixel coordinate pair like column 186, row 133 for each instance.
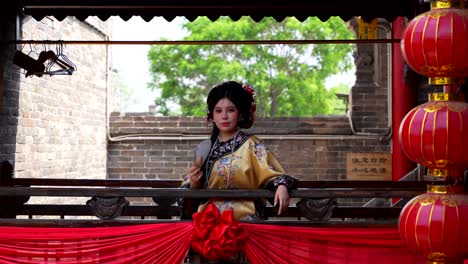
column 206, row 193
column 157, row 211
column 176, row 183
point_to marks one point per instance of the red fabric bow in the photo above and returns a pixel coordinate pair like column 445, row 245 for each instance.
column 214, row 236
column 249, row 89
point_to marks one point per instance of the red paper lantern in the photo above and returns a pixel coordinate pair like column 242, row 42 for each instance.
column 435, row 43
column 435, row 224
column 435, row 134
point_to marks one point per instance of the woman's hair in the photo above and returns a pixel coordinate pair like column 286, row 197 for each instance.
column 241, row 96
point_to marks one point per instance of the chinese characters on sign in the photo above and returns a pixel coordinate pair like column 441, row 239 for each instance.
column 369, row 166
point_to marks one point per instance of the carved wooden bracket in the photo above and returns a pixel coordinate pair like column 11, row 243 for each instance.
column 164, row 202
column 107, row 208
column 317, row 209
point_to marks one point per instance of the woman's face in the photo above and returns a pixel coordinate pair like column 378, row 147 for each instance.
column 226, row 117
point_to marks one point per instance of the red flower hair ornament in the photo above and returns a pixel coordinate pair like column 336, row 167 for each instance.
column 250, row 90
column 253, row 107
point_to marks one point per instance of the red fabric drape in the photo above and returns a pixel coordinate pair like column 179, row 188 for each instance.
column 152, row 243
column 304, row 245
column 169, row 243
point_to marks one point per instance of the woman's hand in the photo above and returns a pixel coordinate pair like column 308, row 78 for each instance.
column 282, row 198
column 194, row 173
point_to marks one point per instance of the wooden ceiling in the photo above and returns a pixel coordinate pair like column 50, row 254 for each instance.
column 256, row 9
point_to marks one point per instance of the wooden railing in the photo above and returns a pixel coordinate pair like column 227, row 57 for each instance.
column 314, row 202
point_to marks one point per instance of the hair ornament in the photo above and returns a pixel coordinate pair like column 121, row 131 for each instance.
column 249, row 89
column 253, row 106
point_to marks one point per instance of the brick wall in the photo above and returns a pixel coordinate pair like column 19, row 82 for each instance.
column 369, row 98
column 151, row 147
column 55, row 126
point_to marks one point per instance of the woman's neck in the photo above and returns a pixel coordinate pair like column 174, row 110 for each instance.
column 223, row 137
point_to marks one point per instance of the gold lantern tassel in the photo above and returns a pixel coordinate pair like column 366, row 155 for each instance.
column 367, row 30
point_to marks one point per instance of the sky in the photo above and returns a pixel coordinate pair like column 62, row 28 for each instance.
column 131, row 60
column 132, row 64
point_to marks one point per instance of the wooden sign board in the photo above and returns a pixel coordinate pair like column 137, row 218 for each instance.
column 370, row 166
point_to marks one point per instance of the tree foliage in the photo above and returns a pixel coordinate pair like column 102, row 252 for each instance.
column 289, row 80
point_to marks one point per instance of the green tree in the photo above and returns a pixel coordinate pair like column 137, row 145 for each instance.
column 289, row 80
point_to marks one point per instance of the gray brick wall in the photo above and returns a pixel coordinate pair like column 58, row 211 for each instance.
column 369, row 98
column 152, row 147
column 55, row 126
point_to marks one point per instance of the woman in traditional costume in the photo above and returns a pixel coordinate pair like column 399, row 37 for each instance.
column 233, row 159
